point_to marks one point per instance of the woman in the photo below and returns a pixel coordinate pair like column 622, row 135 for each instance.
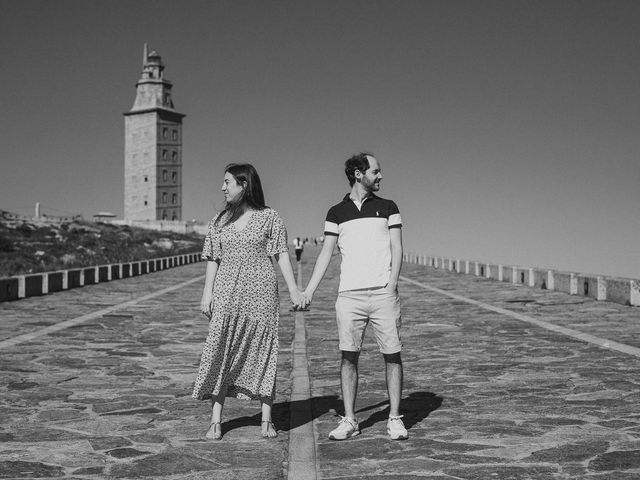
column 240, row 296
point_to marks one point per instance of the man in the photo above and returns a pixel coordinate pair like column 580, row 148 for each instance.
column 368, row 232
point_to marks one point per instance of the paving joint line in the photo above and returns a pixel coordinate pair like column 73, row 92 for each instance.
column 26, row 337
column 302, row 439
column 585, row 337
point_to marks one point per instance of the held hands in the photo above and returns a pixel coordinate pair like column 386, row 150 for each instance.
column 299, row 300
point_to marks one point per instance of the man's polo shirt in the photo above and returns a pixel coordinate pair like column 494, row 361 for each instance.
column 363, row 240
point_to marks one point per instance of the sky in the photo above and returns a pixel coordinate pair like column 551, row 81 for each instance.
column 507, row 130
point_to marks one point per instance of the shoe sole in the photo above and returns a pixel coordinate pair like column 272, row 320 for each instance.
column 353, row 434
column 401, row 437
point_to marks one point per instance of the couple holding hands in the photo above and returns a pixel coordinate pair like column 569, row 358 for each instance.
column 240, row 295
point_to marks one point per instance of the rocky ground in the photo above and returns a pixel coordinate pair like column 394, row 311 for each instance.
column 32, row 246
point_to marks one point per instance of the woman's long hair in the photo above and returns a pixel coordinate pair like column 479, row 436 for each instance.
column 251, row 196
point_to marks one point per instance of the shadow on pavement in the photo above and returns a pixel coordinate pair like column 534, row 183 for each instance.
column 415, row 408
column 290, row 415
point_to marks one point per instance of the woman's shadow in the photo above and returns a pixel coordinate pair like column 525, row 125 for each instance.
column 293, row 414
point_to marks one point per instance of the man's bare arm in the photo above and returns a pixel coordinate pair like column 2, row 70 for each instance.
column 322, row 263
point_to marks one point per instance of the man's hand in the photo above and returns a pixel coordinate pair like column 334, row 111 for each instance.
column 308, row 297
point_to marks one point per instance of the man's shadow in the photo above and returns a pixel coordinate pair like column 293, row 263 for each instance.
column 293, row 414
column 414, row 408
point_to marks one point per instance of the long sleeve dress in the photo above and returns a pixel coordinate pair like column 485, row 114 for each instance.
column 241, row 349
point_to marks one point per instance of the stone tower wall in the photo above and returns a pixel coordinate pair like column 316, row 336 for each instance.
column 169, row 168
column 140, row 174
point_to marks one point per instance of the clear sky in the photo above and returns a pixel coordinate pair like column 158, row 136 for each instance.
column 508, row 131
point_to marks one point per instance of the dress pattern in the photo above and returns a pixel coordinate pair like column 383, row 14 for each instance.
column 241, row 349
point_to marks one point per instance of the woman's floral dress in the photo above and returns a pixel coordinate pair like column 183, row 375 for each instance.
column 241, row 350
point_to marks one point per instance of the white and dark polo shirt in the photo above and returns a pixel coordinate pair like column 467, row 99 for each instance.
column 363, row 240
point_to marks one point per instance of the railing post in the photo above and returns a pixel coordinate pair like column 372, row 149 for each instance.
column 602, row 289
column 634, row 292
column 21, row 286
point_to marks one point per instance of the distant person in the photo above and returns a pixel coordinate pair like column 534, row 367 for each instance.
column 368, row 232
column 299, row 247
column 240, row 298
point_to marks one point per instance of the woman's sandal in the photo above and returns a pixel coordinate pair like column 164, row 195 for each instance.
column 270, row 426
column 216, row 432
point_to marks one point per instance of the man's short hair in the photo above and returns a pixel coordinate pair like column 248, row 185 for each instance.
column 356, row 162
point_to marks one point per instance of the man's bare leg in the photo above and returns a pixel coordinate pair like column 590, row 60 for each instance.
column 349, row 382
column 394, row 373
column 395, row 426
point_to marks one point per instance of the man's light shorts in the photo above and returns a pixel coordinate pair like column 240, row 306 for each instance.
column 356, row 308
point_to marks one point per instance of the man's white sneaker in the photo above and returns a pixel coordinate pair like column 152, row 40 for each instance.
column 395, row 428
column 347, row 428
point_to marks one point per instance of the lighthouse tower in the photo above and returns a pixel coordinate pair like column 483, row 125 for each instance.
column 153, row 148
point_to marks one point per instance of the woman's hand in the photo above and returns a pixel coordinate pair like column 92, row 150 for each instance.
column 206, row 305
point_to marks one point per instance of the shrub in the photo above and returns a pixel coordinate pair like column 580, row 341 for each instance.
column 6, row 245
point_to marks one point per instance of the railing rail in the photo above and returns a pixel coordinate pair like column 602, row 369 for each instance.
column 22, row 286
column 625, row 291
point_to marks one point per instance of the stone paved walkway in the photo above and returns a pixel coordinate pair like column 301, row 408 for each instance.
column 486, row 395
